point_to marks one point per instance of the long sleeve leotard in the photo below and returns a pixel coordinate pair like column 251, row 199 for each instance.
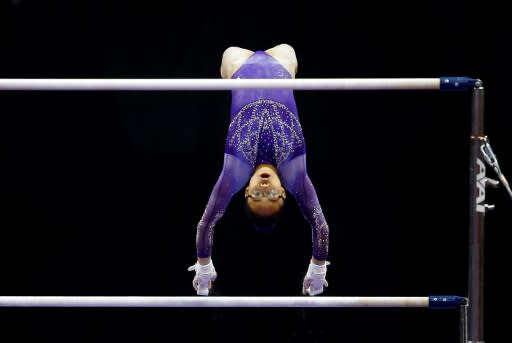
column 264, row 128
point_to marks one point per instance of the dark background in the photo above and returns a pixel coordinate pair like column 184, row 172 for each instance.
column 102, row 191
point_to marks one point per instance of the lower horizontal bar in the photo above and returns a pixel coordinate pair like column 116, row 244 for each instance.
column 211, row 301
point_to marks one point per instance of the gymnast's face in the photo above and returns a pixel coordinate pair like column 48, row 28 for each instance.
column 265, row 195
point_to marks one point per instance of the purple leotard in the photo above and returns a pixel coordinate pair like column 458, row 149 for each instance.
column 264, row 128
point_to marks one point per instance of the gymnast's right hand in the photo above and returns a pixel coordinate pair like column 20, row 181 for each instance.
column 205, row 275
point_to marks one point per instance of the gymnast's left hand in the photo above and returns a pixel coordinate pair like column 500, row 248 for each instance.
column 315, row 281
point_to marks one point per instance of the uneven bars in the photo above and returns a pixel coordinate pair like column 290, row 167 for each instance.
column 436, row 301
column 443, row 83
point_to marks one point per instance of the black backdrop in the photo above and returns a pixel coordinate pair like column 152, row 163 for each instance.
column 102, row 191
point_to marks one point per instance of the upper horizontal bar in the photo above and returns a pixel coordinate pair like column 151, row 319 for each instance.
column 217, row 301
column 446, row 83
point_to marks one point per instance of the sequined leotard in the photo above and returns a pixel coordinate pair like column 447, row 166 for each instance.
column 264, row 128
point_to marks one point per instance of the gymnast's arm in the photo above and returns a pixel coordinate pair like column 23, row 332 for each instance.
column 296, row 180
column 234, row 175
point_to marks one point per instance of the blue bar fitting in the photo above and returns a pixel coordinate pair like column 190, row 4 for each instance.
column 459, row 83
column 445, row 301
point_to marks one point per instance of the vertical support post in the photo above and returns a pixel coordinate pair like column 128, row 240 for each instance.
column 477, row 209
column 463, row 322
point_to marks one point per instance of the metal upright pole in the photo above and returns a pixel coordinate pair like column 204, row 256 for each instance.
column 477, row 209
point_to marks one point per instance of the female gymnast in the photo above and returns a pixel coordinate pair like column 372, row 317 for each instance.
column 265, row 150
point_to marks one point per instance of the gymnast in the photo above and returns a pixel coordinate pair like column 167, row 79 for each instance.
column 265, row 150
